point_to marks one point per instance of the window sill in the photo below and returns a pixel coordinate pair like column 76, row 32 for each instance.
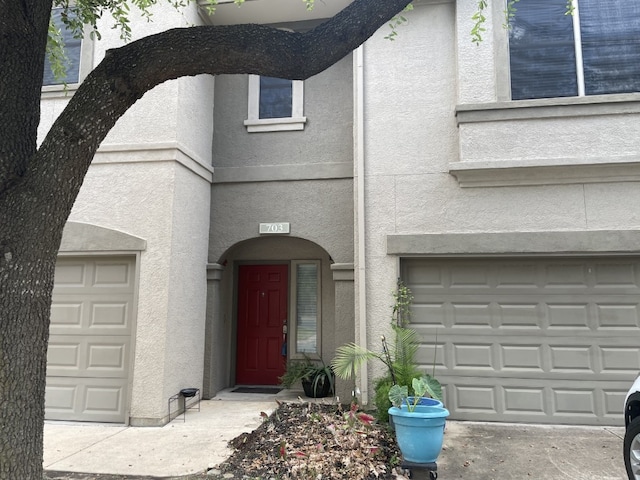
column 275, row 124
column 59, row 91
column 504, row 173
column 549, row 108
column 550, row 141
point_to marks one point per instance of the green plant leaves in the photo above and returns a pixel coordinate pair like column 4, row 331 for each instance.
column 398, row 394
column 425, row 385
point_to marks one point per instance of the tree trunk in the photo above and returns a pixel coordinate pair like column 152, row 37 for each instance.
column 28, row 242
column 26, row 282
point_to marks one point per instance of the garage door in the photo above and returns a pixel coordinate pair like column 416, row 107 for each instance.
column 536, row 340
column 90, row 339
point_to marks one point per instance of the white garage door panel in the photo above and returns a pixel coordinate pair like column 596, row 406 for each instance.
column 548, row 340
column 81, row 275
column 90, row 339
column 92, row 314
column 95, row 400
column 538, row 401
column 80, row 356
column 611, row 359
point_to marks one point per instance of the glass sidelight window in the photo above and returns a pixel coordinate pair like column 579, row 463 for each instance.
column 306, row 299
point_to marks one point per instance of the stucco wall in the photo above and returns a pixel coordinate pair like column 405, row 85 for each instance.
column 317, row 164
column 166, row 205
column 326, row 138
column 170, row 113
column 317, row 210
column 409, row 137
column 441, row 109
column 302, row 177
column 152, row 179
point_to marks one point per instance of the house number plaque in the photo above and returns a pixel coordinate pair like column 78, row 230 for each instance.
column 274, row 228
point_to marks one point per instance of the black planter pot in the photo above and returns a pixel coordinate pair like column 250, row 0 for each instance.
column 323, row 388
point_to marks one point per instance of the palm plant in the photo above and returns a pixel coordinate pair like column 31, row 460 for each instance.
column 398, row 356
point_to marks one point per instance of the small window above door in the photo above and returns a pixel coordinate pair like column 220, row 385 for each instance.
column 275, row 104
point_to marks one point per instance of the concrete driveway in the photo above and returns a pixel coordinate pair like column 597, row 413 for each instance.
column 485, row 451
column 473, row 451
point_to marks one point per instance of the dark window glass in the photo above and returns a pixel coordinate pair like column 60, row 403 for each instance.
column 542, row 51
column 276, row 96
column 610, row 46
column 72, row 49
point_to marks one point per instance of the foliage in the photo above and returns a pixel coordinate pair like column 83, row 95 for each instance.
column 357, row 420
column 398, row 357
column 425, row 385
column 479, row 20
column 81, row 15
column 479, row 17
column 401, row 313
column 318, row 373
column 396, row 22
column 381, row 398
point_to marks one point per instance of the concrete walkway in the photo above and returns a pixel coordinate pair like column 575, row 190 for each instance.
column 474, row 451
column 178, row 448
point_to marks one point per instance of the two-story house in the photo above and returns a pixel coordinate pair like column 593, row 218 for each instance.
column 229, row 224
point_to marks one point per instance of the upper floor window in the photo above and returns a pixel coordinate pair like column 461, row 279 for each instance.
column 275, row 104
column 72, row 47
column 276, row 97
column 592, row 52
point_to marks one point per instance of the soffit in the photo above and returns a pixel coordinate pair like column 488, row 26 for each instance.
column 272, row 11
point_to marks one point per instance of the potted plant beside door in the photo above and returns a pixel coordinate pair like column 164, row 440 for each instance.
column 419, row 428
column 316, row 377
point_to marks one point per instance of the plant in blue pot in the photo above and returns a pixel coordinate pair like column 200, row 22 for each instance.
column 419, row 428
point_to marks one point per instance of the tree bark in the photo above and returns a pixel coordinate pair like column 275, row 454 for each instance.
column 39, row 186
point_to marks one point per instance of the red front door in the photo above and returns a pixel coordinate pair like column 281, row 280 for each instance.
column 262, row 312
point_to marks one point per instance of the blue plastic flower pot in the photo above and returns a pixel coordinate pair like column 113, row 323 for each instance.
column 419, row 433
column 430, row 402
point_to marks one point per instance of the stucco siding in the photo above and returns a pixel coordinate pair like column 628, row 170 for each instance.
column 448, row 155
column 410, row 135
column 167, row 205
column 184, row 348
column 326, row 138
column 318, row 210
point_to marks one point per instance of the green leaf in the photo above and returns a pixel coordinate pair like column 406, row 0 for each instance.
column 427, row 385
column 398, row 394
column 349, row 358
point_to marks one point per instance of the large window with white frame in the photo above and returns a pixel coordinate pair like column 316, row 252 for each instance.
column 593, row 51
column 305, row 300
column 275, row 104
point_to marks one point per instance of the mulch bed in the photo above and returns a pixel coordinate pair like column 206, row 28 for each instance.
column 314, row 441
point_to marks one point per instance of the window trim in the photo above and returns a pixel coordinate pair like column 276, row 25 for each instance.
column 256, row 124
column 292, row 339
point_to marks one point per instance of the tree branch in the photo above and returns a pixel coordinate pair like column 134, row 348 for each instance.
column 128, row 72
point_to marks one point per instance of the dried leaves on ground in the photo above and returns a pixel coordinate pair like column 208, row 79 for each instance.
column 314, row 441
